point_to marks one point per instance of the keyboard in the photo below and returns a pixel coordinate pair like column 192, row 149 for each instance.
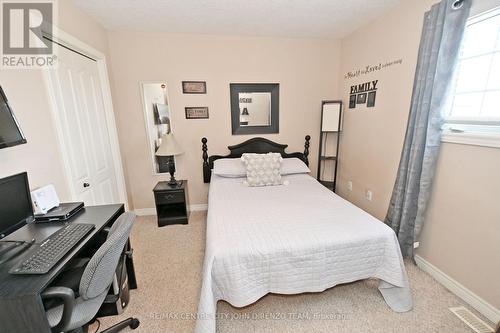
column 53, row 249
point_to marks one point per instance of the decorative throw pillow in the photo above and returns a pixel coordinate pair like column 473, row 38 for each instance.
column 263, row 169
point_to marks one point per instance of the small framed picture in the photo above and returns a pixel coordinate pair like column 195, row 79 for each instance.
column 370, row 102
column 352, row 101
column 361, row 98
column 194, row 87
column 198, row 112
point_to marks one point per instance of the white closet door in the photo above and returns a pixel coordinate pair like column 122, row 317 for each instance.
column 80, row 111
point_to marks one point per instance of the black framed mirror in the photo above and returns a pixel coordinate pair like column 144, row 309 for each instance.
column 254, row 108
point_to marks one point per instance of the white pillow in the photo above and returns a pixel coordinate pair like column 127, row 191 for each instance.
column 229, row 167
column 290, row 166
column 263, row 169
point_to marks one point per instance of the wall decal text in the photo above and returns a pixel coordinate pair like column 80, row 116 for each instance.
column 371, row 68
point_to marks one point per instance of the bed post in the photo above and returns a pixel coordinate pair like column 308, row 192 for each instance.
column 306, row 149
column 206, row 165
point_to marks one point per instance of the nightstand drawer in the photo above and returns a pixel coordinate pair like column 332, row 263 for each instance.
column 170, row 197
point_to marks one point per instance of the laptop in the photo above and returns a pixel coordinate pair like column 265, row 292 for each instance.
column 63, row 212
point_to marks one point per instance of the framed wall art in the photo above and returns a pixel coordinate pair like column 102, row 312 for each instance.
column 352, row 101
column 370, row 101
column 196, row 112
column 361, row 98
column 194, row 87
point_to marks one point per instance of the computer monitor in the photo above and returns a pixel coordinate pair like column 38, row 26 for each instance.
column 15, row 203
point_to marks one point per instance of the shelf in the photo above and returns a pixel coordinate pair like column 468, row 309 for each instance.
column 163, row 221
column 328, row 152
column 172, row 214
column 172, row 211
column 180, row 217
column 328, row 184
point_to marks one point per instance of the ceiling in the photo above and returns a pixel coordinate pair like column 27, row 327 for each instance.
column 325, row 19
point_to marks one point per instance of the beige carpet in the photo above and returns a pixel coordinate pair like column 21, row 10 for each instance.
column 168, row 265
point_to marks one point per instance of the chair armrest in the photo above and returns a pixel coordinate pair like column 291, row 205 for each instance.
column 129, row 253
column 68, row 297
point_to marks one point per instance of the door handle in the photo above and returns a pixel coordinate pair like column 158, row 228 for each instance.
column 86, row 185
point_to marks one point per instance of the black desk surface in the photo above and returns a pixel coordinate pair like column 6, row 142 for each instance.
column 16, row 286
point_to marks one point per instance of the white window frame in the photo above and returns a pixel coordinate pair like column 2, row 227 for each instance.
column 470, row 130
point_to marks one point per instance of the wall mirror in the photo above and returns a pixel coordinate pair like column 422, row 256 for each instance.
column 254, row 108
column 158, row 120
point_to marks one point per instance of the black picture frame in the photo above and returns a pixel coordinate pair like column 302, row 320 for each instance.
column 352, row 101
column 194, row 87
column 191, row 111
column 236, row 89
column 361, row 98
column 370, row 100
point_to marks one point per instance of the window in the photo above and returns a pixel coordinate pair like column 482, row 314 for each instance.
column 475, row 104
column 477, row 89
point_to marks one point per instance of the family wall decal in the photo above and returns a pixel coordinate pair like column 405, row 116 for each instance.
column 363, row 93
column 366, row 93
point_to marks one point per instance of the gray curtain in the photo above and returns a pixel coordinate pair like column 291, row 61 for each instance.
column 437, row 57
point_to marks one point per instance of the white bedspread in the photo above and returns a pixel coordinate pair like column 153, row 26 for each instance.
column 291, row 239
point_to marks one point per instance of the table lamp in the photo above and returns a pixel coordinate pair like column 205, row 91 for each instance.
column 169, row 147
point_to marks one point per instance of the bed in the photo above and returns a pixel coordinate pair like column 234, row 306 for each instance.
column 289, row 239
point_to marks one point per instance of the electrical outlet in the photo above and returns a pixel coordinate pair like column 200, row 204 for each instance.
column 416, row 245
column 369, row 195
column 349, row 185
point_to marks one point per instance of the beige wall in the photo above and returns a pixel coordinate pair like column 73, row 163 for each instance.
column 462, row 231
column 372, row 137
column 40, row 156
column 75, row 22
column 27, row 95
column 307, row 71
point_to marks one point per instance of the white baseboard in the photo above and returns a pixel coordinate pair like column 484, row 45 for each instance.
column 198, row 207
column 145, row 211
column 483, row 307
column 152, row 211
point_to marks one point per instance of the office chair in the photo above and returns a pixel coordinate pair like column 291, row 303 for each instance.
column 76, row 312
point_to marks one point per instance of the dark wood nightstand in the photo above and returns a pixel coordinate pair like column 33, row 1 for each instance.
column 171, row 203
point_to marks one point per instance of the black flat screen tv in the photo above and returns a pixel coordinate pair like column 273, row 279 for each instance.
column 10, row 132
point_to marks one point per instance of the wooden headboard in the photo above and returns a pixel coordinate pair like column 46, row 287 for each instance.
column 254, row 145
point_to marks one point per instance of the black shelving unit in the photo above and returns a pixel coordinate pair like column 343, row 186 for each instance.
column 331, row 124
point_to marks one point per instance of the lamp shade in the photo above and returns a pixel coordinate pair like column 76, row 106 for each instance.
column 169, row 146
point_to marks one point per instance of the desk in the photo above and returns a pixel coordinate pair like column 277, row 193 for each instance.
column 21, row 307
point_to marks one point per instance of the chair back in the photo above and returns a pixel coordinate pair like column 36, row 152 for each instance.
column 98, row 275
